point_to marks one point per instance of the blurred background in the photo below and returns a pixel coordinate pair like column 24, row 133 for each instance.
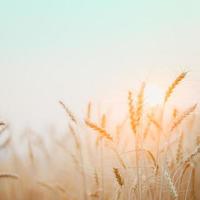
column 80, row 51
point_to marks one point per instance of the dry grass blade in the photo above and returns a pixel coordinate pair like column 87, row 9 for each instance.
column 179, row 119
column 118, row 177
column 69, row 113
column 174, row 85
column 100, row 130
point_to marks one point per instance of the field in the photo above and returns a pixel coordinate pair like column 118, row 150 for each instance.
column 153, row 153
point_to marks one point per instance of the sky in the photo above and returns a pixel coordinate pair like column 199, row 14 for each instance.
column 80, row 51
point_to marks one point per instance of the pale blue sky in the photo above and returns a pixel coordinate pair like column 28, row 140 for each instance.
column 81, row 50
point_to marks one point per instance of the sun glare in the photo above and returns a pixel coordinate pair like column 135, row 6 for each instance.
column 154, row 95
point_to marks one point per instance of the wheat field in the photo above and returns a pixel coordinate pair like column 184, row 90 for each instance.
column 152, row 154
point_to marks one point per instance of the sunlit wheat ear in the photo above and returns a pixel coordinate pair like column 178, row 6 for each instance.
column 68, row 112
column 131, row 111
column 140, row 104
column 171, row 185
column 179, row 153
column 179, row 119
column 9, row 175
column 118, row 177
column 174, row 85
column 100, row 130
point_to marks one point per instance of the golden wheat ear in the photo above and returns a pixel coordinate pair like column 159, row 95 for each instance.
column 100, row 130
column 174, row 85
column 118, row 177
column 131, row 112
column 140, row 104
